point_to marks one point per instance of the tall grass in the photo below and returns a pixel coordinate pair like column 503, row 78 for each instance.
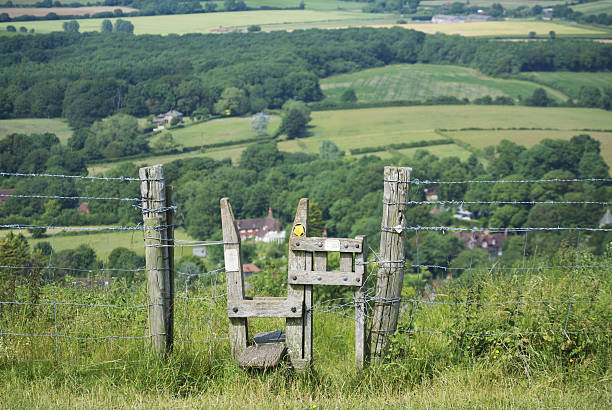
column 477, row 357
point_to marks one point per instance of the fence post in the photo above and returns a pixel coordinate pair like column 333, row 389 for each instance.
column 157, row 230
column 391, row 265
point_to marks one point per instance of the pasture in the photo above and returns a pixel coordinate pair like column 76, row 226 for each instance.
column 510, row 28
column 56, row 126
column 219, row 130
column 528, row 138
column 595, row 7
column 510, row 4
column 60, row 11
column 370, row 127
column 570, row 82
column 420, row 81
column 103, row 242
column 220, row 22
column 322, row 5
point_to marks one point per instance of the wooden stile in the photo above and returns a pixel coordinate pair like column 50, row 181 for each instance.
column 299, row 330
column 390, row 271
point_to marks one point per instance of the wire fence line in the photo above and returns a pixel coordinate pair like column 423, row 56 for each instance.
column 96, row 306
column 200, row 302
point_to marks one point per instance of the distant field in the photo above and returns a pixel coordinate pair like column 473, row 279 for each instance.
column 419, row 81
column 105, row 242
column 382, row 126
column 309, row 4
column 220, row 130
column 232, row 152
column 511, row 4
column 570, row 82
column 35, row 126
column 528, row 138
column 218, row 22
column 511, row 28
column 596, row 7
column 70, row 11
column 441, row 151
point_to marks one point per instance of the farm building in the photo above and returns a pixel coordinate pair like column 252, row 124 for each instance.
column 167, row 118
column 490, row 242
column 266, row 229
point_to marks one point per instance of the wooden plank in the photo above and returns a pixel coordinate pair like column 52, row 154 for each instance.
column 390, row 276
column 280, row 307
column 315, row 244
column 360, row 311
column 153, row 194
column 338, row 278
column 262, row 356
column 297, row 261
column 238, row 332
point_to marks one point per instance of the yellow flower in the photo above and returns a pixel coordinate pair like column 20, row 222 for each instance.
column 571, row 360
column 497, row 351
column 495, row 357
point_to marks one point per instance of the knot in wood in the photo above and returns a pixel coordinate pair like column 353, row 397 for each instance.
column 293, row 309
column 235, row 310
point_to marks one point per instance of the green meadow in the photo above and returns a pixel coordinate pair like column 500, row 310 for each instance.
column 528, row 138
column 220, row 22
column 420, row 81
column 219, row 130
column 102, row 241
column 595, row 7
column 56, row 126
column 322, row 5
column 374, row 127
column 571, row 82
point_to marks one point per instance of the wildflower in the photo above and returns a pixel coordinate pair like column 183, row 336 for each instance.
column 495, row 357
column 497, row 351
column 571, row 360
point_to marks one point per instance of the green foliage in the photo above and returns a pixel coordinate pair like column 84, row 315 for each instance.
column 163, row 143
column 114, row 137
column 233, row 101
column 123, row 26
column 123, row 258
column 107, row 26
column 259, row 123
column 71, row 26
column 330, row 151
column 295, row 118
column 348, row 96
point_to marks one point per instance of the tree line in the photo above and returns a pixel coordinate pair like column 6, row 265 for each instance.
column 51, row 75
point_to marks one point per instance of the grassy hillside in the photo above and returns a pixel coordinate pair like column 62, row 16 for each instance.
column 36, row 126
column 218, row 22
column 219, row 130
column 103, row 242
column 382, row 126
column 511, row 28
column 528, row 138
column 309, row 5
column 304, row 19
column 420, row 81
column 595, row 7
column 570, row 82
column 446, row 363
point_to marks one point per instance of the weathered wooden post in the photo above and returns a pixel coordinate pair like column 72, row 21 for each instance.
column 299, row 329
column 238, row 332
column 391, row 264
column 157, row 230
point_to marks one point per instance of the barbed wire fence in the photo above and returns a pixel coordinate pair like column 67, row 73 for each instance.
column 79, row 316
column 78, row 310
column 451, row 315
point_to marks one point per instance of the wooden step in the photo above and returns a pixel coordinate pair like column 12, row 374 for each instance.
column 267, row 351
